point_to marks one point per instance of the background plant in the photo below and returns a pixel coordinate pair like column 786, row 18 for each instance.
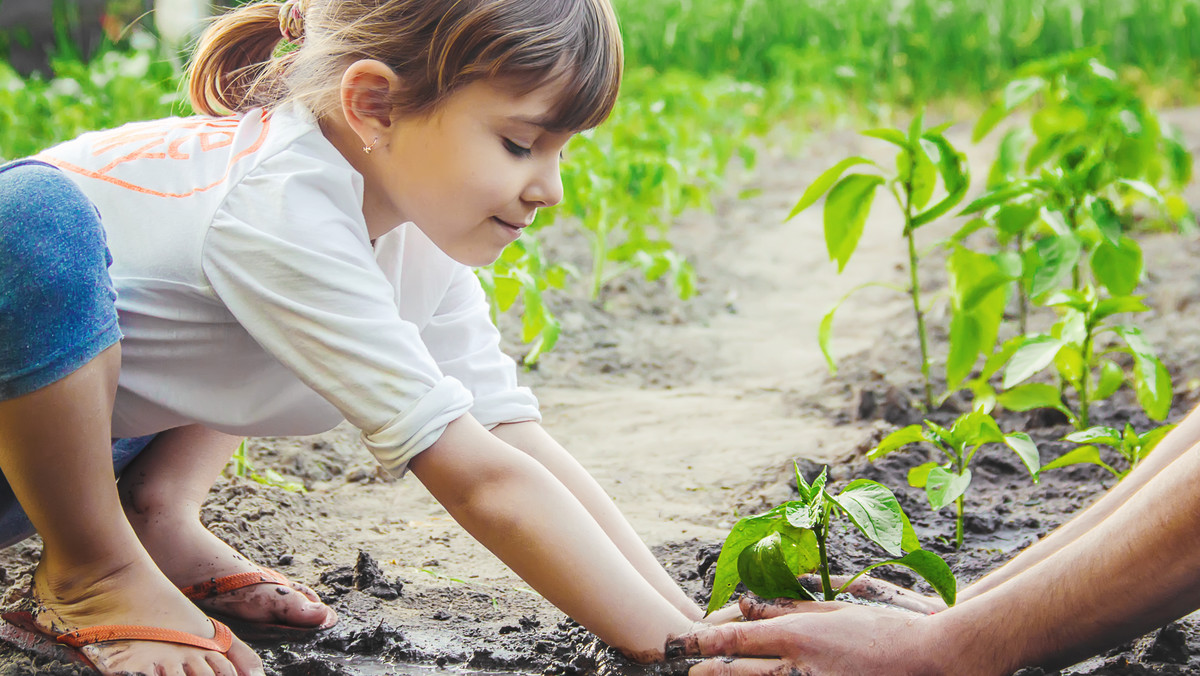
column 924, row 156
column 946, row 481
column 1082, row 363
column 1128, row 444
column 768, row 551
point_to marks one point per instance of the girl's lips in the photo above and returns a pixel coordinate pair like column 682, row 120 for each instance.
column 518, row 226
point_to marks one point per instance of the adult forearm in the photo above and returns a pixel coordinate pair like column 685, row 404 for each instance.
column 1171, row 448
column 1136, row 570
column 517, row 509
column 535, row 441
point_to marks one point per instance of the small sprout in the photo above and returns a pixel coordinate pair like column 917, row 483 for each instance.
column 769, row 551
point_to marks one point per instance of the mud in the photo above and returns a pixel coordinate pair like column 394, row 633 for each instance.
column 689, row 414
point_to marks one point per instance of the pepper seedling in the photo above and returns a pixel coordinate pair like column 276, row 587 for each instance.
column 767, row 552
column 1128, row 443
column 946, row 482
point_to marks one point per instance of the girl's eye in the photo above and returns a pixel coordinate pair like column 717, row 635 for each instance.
column 517, row 149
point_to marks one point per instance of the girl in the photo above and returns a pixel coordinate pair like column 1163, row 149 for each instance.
column 300, row 261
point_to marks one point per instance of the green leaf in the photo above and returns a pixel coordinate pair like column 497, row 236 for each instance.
column 1000, row 195
column 893, row 136
column 918, row 476
column 1118, row 267
column 1053, row 259
column 765, row 572
column 745, row 532
column 1020, row 91
column 1151, row 380
column 900, row 438
column 846, row 211
column 823, row 183
column 931, row 567
column 909, row 541
column 988, row 120
column 943, row 487
column 1024, row 447
column 1031, row 396
column 1097, row 434
column 1111, row 378
column 965, row 345
column 1107, row 220
column 1154, row 392
column 873, row 509
column 1084, row 455
column 1111, row 306
column 1034, row 355
column 824, row 335
column 1000, row 357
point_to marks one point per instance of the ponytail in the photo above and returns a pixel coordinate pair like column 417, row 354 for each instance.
column 233, row 69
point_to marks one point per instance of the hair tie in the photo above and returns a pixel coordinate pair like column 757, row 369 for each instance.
column 291, row 21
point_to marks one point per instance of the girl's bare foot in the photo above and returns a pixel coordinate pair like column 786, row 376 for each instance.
column 132, row 592
column 187, row 553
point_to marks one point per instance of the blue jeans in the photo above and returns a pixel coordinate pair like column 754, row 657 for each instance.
column 57, row 309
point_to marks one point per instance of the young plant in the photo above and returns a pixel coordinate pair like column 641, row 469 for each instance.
column 924, row 156
column 241, row 466
column 1081, row 363
column 769, row 551
column 1128, row 444
column 946, row 482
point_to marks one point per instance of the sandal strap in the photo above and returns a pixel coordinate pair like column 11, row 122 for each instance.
column 220, row 642
column 228, row 583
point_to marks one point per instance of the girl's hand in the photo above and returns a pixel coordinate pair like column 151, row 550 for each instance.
column 869, row 588
column 730, row 613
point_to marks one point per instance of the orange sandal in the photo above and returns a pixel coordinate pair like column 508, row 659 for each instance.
column 20, row 630
column 249, row 630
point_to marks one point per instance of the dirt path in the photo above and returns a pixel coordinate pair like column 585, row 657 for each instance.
column 686, row 412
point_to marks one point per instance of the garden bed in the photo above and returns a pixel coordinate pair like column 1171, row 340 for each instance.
column 688, row 413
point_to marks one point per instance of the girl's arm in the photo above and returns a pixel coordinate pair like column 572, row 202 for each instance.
column 533, row 439
column 516, row 508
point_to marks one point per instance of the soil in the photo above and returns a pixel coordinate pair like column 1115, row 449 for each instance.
column 689, row 414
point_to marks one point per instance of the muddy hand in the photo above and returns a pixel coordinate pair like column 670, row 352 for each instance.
column 869, row 588
column 816, row 639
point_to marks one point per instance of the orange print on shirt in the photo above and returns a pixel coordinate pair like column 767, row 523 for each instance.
column 169, row 140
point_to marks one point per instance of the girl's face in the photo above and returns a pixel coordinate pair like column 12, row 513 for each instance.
column 473, row 174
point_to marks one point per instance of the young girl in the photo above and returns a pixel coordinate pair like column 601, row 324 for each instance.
column 274, row 271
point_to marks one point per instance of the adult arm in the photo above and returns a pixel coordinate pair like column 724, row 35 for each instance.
column 1174, row 445
column 1135, row 570
column 516, row 508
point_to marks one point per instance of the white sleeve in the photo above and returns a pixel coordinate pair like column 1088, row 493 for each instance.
column 466, row 345
column 289, row 255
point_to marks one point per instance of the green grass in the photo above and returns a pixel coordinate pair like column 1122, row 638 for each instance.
column 907, row 50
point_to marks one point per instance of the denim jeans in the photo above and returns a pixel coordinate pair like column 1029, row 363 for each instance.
column 57, row 309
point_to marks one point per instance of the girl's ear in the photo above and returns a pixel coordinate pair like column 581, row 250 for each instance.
column 367, row 90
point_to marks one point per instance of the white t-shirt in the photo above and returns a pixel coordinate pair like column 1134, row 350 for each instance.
column 253, row 302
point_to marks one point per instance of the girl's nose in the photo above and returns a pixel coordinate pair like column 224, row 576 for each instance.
column 546, row 189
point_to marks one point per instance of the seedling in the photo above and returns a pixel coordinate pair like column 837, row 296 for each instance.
column 924, row 155
column 241, row 466
column 1128, row 443
column 946, row 482
column 1072, row 348
column 768, row 551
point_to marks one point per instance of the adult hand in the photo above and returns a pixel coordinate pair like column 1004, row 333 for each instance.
column 872, row 589
column 810, row 638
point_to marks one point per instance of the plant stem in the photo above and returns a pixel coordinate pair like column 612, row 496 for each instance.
column 915, row 291
column 1085, row 381
column 826, row 585
column 1022, row 296
column 958, row 525
column 1073, row 222
column 599, row 251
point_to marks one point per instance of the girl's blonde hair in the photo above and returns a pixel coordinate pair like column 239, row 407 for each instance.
column 435, row 47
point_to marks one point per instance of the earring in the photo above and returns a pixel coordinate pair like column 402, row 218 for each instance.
column 368, row 149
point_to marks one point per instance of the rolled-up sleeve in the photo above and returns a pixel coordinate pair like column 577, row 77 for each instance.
column 290, row 257
column 466, row 345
